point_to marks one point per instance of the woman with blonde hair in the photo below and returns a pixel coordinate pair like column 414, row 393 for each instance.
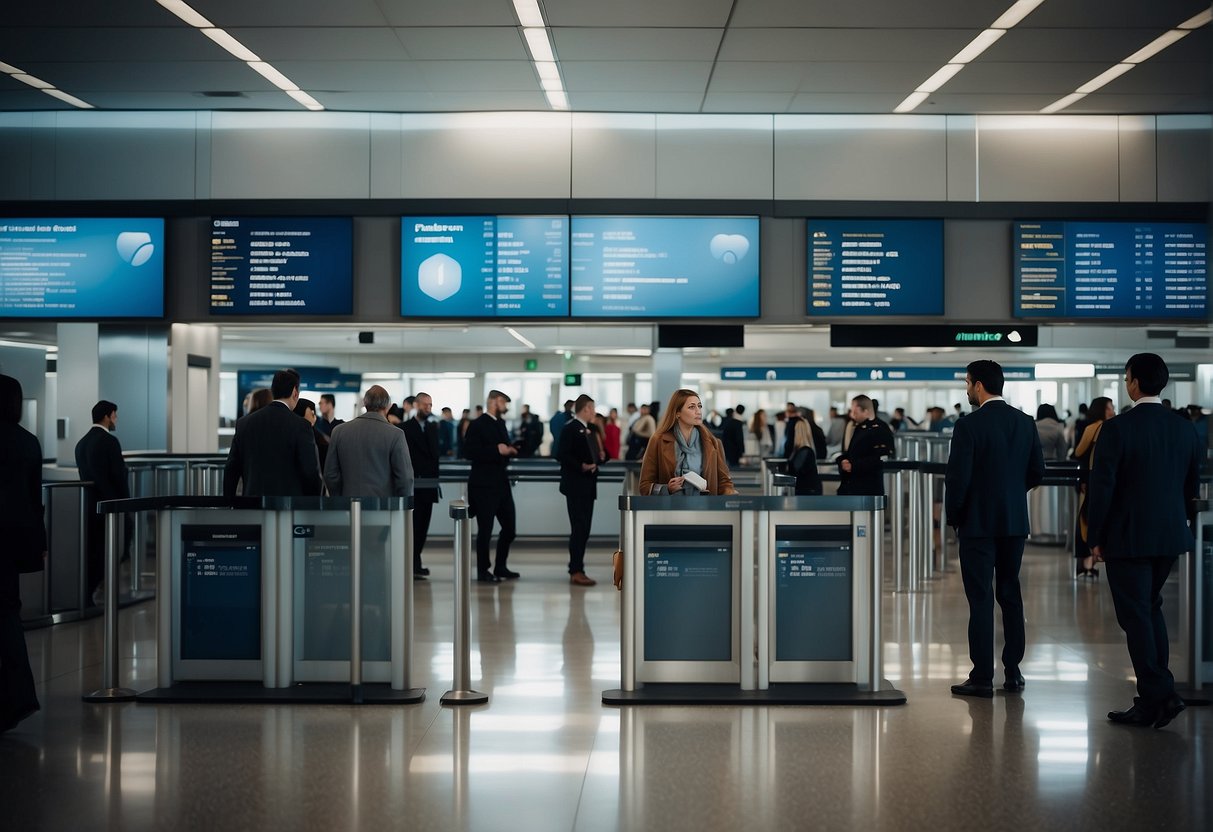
column 802, row 464
column 680, row 445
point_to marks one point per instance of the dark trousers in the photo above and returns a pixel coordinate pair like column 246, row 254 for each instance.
column 423, row 510
column 581, row 517
column 17, row 695
column 990, row 569
column 1136, row 585
column 487, row 504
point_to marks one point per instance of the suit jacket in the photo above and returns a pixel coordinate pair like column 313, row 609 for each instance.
column 274, row 454
column 661, row 460
column 732, row 438
column 480, row 443
column 423, row 442
column 994, row 460
column 865, row 445
column 1144, row 478
column 369, row 457
column 20, row 492
column 577, row 446
column 99, row 458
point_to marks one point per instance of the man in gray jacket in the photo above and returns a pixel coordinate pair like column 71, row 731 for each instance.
column 368, row 456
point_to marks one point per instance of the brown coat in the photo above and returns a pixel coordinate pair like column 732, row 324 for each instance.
column 661, row 459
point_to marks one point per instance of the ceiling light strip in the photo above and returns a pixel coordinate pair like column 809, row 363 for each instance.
column 238, row 50
column 543, row 57
column 42, row 86
column 518, row 336
column 1168, row 38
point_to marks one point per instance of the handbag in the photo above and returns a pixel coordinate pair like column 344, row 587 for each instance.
column 28, row 545
column 617, row 569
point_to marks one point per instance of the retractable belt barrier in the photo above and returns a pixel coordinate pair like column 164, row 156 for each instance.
column 461, row 692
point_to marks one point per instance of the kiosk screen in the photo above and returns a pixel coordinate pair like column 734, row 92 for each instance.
column 813, row 589
column 221, row 593
column 326, row 595
column 688, row 593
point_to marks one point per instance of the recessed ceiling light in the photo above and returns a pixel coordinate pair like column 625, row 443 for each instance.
column 1018, row 11
column 273, row 76
column 557, row 99
column 1103, row 78
column 1196, row 21
column 547, row 70
column 941, row 77
column 537, row 41
column 1062, row 103
column 233, row 46
column 36, row 83
column 186, row 13
column 305, row 99
column 1157, row 45
column 528, row 12
column 912, row 101
column 977, row 45
column 552, row 85
column 9, row 69
column 70, row 99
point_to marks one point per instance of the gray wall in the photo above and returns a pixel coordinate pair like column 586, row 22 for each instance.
column 133, row 373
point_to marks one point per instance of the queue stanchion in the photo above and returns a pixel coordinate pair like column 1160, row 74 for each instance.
column 915, row 532
column 461, row 693
column 1192, row 591
column 109, row 690
column 356, row 601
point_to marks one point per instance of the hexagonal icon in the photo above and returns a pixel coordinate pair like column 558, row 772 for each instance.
column 135, row 247
column 729, row 248
column 439, row 276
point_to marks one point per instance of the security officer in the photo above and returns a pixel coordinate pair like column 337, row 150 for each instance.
column 487, row 445
column 579, row 460
column 421, row 433
column 866, row 442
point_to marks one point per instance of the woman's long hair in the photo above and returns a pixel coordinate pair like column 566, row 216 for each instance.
column 758, row 425
column 1097, row 411
column 802, row 436
column 671, row 410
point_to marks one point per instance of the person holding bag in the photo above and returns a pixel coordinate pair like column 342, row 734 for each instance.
column 1100, row 411
column 683, row 456
column 803, row 462
column 24, row 535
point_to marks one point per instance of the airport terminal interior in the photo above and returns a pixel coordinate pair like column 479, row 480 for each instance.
column 778, row 204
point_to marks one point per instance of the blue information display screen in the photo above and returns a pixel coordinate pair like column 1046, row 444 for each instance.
column 282, row 265
column 688, row 593
column 813, row 590
column 221, row 593
column 1111, row 270
column 665, row 267
column 484, row 267
column 81, row 268
column 875, row 267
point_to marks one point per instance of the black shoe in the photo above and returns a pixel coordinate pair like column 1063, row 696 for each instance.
column 506, row 575
column 422, row 571
column 969, row 687
column 487, row 578
column 1170, row 709
column 1014, row 682
column 1092, row 572
column 1136, row 715
column 1080, row 572
column 417, row 576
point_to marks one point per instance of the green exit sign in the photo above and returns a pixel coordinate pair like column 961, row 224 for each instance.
column 572, row 379
column 532, row 364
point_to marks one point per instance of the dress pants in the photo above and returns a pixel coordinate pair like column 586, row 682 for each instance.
column 1136, row 585
column 581, row 517
column 487, row 503
column 17, row 695
column 990, row 569
column 423, row 510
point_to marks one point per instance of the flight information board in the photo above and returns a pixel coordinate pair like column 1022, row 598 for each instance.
column 665, row 267
column 484, row 267
column 875, row 267
column 221, row 593
column 81, row 268
column 1112, row 270
column 282, row 266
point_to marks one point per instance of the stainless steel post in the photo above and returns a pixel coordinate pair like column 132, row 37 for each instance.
column 46, row 567
column 927, row 528
column 461, row 692
column 356, row 601
column 1197, row 606
column 898, row 522
column 943, row 527
column 627, row 617
column 875, row 594
column 915, row 522
column 109, row 691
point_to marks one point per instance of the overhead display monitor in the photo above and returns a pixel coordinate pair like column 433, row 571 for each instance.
column 282, row 266
column 484, row 267
column 665, row 267
column 875, row 267
column 82, row 268
column 1111, row 270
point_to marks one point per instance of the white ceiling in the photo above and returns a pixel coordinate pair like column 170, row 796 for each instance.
column 765, row 56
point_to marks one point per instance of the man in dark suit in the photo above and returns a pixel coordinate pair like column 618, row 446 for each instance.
column 421, row 432
column 328, row 416
column 273, row 452
column 1144, row 477
column 578, row 454
column 995, row 460
column 732, row 435
column 866, row 441
column 487, row 445
column 99, row 460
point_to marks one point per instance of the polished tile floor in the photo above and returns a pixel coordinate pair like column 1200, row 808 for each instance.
column 545, row 754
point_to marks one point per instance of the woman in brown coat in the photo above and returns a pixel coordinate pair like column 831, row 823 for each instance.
column 683, row 444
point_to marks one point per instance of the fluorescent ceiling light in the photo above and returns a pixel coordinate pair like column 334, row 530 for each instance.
column 274, row 76
column 382, row 376
column 186, row 13
column 305, row 99
column 552, row 85
column 528, row 12
column 537, row 41
column 9, row 69
column 1103, row 78
column 1157, row 45
column 1018, row 11
column 1062, row 103
column 1197, row 21
column 557, row 99
column 977, row 45
column 70, row 99
column 37, row 83
column 1065, row 371
column 517, row 336
column 547, row 70
column 235, row 47
column 912, row 101
column 941, row 77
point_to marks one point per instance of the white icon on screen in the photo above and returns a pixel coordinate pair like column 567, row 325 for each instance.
column 135, row 247
column 439, row 276
column 1015, row 337
column 729, row 248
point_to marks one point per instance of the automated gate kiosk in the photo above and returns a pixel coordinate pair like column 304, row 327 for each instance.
column 695, row 618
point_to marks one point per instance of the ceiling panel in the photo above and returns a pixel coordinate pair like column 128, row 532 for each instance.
column 432, row 102
column 473, row 76
column 636, row 76
column 747, row 102
column 844, row 103
column 84, row 13
column 630, row 102
column 1057, row 78
column 235, row 13
column 1061, row 45
column 1130, row 14
column 972, row 14
column 17, row 96
column 932, row 45
column 1169, row 79
column 143, row 76
column 947, row 102
column 355, row 76
column 476, row 43
column 843, row 77
column 185, row 100
column 757, row 76
column 1195, row 48
column 686, row 13
column 579, row 44
column 322, row 43
column 174, row 43
column 1146, row 104
column 448, row 12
